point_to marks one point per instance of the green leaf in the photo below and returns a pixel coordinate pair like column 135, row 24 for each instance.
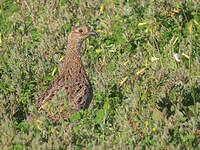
column 157, row 115
column 75, row 117
column 106, row 106
column 99, row 116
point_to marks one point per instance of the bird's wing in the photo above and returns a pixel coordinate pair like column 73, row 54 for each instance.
column 51, row 90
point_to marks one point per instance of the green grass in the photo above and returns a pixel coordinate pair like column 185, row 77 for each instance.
column 143, row 97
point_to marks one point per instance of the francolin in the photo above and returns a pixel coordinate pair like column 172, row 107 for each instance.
column 72, row 77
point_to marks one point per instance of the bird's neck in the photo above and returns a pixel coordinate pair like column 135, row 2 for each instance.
column 73, row 48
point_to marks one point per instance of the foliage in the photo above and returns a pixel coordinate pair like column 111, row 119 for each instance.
column 145, row 96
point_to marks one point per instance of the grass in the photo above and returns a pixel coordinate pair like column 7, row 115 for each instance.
column 144, row 98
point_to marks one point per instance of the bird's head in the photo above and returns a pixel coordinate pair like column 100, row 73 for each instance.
column 81, row 33
column 76, row 38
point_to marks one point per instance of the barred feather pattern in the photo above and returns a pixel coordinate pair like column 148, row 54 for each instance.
column 72, row 77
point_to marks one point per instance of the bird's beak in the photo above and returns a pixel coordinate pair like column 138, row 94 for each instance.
column 92, row 33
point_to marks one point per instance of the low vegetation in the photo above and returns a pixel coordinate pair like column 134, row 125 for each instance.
column 144, row 67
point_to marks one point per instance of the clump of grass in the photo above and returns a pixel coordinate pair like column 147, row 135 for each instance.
column 144, row 98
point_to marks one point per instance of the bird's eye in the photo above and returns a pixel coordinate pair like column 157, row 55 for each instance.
column 80, row 30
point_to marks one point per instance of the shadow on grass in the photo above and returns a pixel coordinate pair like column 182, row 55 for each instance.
column 190, row 98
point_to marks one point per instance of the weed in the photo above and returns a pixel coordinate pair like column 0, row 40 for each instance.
column 145, row 98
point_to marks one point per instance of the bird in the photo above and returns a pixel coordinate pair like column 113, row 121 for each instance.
column 72, row 78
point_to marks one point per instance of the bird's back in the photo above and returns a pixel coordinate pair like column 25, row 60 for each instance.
column 74, row 80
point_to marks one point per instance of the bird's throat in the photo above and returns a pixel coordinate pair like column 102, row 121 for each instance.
column 73, row 49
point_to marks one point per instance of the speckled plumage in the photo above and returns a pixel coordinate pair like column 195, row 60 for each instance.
column 72, row 76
